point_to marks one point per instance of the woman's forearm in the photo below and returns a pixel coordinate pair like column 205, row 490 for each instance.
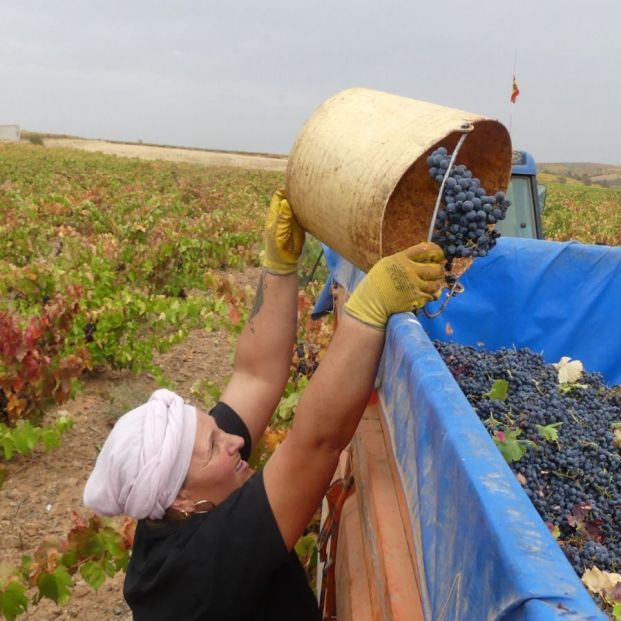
column 263, row 352
column 265, row 345
column 332, row 404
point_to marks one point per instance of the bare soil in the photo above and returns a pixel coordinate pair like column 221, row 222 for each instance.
column 37, row 499
column 171, row 154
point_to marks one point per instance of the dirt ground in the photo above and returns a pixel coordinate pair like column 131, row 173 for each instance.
column 42, row 489
column 192, row 156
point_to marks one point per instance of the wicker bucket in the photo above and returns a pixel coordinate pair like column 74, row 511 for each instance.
column 357, row 176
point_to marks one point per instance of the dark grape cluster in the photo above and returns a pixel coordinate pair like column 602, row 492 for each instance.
column 462, row 223
column 305, row 359
column 574, row 482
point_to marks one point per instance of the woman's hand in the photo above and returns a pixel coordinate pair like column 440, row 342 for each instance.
column 284, row 237
column 402, row 282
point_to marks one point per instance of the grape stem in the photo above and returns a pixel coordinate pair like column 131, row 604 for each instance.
column 577, row 420
column 599, row 449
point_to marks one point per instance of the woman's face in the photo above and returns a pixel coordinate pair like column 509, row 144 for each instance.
column 216, row 468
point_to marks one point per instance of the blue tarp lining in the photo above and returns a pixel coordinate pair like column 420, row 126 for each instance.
column 483, row 551
column 559, row 299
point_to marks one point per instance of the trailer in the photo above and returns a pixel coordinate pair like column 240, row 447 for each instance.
column 426, row 520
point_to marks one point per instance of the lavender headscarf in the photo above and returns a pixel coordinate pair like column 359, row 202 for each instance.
column 144, row 460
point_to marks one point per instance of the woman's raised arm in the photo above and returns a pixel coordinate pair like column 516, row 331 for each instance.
column 265, row 346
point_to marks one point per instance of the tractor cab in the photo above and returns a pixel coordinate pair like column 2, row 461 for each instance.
column 527, row 200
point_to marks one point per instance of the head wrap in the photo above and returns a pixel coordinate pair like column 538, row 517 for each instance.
column 144, row 460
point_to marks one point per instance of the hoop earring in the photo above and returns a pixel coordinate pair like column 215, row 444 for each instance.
column 209, row 506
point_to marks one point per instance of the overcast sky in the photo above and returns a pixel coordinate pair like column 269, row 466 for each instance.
column 245, row 75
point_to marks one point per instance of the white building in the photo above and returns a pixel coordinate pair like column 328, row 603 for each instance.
column 9, row 133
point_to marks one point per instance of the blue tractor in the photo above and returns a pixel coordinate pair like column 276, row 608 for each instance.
column 527, row 200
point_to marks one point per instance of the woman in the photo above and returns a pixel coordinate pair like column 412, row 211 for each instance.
column 215, row 539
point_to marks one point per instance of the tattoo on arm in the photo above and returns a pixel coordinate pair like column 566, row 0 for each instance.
column 258, row 300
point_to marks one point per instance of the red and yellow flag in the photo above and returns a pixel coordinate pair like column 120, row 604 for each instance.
column 515, row 91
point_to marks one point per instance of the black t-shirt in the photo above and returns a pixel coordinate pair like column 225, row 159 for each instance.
column 229, row 564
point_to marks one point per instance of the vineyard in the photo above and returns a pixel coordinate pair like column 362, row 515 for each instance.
column 119, row 276
column 588, row 214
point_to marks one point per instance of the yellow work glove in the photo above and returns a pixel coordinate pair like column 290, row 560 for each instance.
column 401, row 282
column 284, row 237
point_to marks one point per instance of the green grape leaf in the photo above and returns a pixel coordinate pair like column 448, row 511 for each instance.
column 50, row 438
column 110, row 568
column 567, row 388
column 25, row 437
column 55, row 585
column 111, row 542
column 305, row 544
column 13, row 600
column 508, row 444
column 8, row 447
column 69, row 559
column 499, row 390
column 512, row 451
column 287, row 406
column 93, row 573
column 549, row 432
column 306, row 549
column 25, row 566
column 122, row 562
column 63, row 423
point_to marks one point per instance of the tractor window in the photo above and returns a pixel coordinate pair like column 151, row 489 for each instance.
column 520, row 220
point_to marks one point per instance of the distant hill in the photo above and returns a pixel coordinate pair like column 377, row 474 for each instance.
column 605, row 175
